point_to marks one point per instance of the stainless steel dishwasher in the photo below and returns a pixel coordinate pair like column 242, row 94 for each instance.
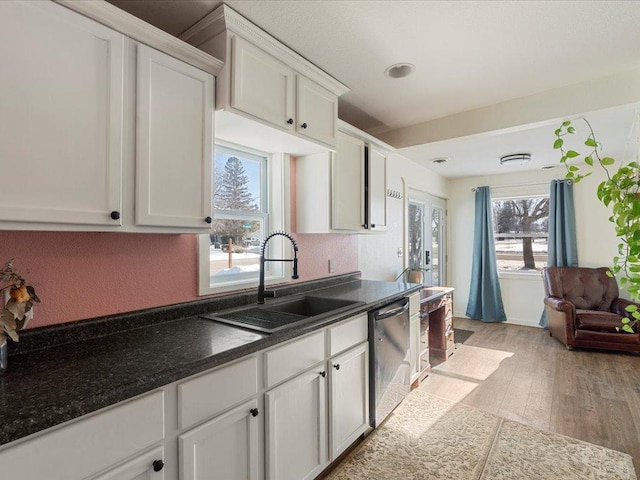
column 390, row 369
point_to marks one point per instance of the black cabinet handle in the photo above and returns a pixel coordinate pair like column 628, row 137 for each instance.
column 254, row 412
column 337, row 366
column 365, row 225
column 304, row 125
column 290, row 121
column 373, row 225
column 115, row 215
column 323, row 374
column 158, row 465
column 208, row 219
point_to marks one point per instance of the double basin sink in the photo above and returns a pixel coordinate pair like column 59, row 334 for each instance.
column 285, row 313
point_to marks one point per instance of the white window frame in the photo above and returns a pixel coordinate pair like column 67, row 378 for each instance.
column 277, row 203
column 509, row 193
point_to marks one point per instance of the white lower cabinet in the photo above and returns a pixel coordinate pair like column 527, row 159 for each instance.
column 349, row 397
column 148, row 466
column 296, row 435
column 225, row 447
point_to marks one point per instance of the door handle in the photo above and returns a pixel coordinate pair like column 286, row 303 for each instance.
column 427, row 254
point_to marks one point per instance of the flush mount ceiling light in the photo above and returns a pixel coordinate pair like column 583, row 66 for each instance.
column 515, row 159
column 440, row 160
column 400, row 70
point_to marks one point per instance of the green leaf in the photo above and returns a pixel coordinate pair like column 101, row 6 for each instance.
column 573, row 168
column 566, row 123
column 571, row 130
column 572, row 154
column 588, row 160
column 558, row 143
column 590, row 142
column 631, row 308
column 607, row 161
column 627, row 329
column 557, row 132
column 625, row 320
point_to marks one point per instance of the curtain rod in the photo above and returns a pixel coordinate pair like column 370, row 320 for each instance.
column 521, row 185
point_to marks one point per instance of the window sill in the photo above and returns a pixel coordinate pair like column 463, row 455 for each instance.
column 527, row 276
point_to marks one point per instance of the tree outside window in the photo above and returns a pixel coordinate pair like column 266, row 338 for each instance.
column 240, row 214
column 521, row 233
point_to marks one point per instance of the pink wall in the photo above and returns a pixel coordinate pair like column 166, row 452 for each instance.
column 86, row 275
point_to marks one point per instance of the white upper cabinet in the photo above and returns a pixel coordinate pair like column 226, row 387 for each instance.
column 344, row 191
column 377, row 189
column 61, row 107
column 174, row 142
column 317, row 112
column 348, row 184
column 270, row 98
column 261, row 85
column 91, row 140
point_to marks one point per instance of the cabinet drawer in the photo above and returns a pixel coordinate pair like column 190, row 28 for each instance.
column 212, row 393
column 414, row 303
column 83, row 448
column 347, row 334
column 294, row 357
column 432, row 305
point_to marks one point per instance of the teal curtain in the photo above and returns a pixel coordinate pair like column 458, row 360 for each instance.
column 485, row 298
column 563, row 246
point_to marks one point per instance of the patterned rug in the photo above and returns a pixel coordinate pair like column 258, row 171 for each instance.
column 428, row 437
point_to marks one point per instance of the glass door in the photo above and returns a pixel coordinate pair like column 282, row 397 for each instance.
column 427, row 236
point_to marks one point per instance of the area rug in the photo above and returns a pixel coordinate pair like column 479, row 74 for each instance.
column 460, row 335
column 428, row 437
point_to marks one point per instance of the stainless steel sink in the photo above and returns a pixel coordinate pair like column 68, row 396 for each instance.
column 309, row 306
column 270, row 318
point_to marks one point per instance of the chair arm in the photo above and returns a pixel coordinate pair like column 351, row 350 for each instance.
column 560, row 305
column 618, row 306
column 561, row 319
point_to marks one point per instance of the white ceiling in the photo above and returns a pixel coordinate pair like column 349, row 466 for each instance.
column 468, row 54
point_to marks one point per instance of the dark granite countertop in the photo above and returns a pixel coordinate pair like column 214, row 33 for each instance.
column 48, row 386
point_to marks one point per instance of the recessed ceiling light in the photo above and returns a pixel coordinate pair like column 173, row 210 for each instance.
column 440, row 160
column 400, row 70
column 515, row 159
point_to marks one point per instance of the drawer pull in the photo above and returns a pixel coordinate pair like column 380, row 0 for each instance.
column 254, row 412
column 322, row 374
column 337, row 366
column 157, row 465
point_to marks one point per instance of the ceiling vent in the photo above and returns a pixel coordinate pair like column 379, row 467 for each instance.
column 515, row 159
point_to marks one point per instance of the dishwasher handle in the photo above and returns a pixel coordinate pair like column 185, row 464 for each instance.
column 382, row 314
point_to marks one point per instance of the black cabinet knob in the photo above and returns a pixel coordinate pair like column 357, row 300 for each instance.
column 208, row 219
column 373, row 225
column 290, row 121
column 337, row 366
column 158, row 465
column 254, row 412
column 323, row 374
column 304, row 125
column 115, row 215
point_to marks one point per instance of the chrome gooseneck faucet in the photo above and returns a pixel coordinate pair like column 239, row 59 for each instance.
column 261, row 292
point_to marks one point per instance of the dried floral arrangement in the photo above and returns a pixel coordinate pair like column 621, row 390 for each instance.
column 18, row 302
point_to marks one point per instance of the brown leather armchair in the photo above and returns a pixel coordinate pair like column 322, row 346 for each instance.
column 583, row 309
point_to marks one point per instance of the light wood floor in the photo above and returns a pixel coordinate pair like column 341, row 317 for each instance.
column 524, row 375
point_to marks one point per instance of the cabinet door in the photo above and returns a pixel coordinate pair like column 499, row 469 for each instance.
column 349, row 390
column 347, row 209
column 174, row 142
column 225, row 447
column 260, row 85
column 60, row 116
column 377, row 190
column 414, row 346
column 148, row 466
column 317, row 112
column 296, row 428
